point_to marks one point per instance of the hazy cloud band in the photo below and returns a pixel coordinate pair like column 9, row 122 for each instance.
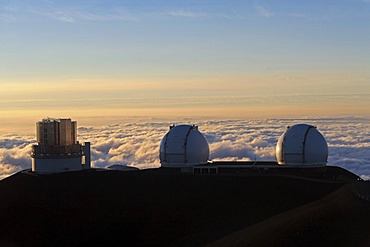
column 137, row 144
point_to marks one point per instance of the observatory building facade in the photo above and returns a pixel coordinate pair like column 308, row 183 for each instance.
column 302, row 145
column 183, row 146
column 57, row 148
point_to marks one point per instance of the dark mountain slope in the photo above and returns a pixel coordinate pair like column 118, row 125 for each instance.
column 338, row 219
column 139, row 208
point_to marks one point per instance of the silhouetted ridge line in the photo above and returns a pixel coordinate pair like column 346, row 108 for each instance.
column 147, row 207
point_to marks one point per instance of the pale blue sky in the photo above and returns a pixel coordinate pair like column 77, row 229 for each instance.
column 159, row 49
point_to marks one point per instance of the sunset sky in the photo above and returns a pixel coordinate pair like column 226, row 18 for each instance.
column 233, row 59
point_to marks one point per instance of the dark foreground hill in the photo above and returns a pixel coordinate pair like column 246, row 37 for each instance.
column 155, row 208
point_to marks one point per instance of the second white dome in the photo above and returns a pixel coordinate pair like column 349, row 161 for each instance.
column 302, row 144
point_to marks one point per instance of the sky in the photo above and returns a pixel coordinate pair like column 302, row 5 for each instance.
column 231, row 59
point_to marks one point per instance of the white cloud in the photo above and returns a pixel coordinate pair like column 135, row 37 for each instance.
column 14, row 154
column 263, row 12
column 73, row 16
column 111, row 16
column 7, row 18
column 123, row 14
column 189, row 14
column 7, row 12
column 137, row 143
column 227, row 150
column 61, row 16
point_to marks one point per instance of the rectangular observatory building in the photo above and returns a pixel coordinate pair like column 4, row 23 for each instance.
column 57, row 148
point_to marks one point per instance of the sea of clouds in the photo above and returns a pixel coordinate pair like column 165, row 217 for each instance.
column 137, row 143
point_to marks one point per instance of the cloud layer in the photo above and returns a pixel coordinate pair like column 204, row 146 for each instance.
column 137, row 143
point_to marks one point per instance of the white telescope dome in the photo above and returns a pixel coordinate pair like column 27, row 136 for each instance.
column 302, row 144
column 183, row 145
